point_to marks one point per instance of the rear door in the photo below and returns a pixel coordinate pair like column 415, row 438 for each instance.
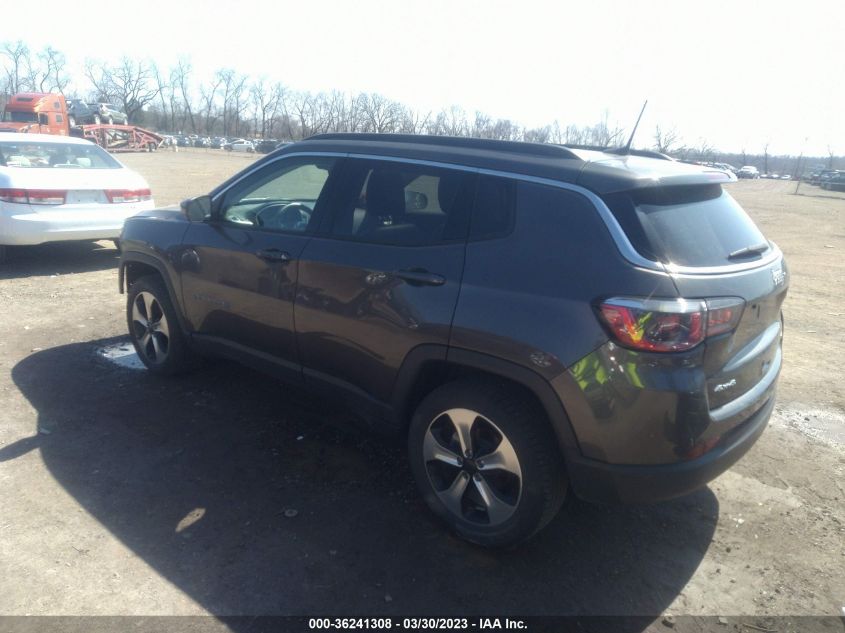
column 239, row 269
column 383, row 276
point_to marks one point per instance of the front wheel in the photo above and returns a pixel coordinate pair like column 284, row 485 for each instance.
column 154, row 327
column 486, row 461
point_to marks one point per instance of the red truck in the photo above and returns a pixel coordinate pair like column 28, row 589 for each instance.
column 46, row 113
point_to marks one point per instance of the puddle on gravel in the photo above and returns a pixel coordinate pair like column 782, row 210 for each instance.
column 824, row 425
column 121, row 354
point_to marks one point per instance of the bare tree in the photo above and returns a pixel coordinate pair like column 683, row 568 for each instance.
column 130, row 82
column 49, row 74
column 665, row 140
column 766, row 158
column 16, row 72
column 180, row 76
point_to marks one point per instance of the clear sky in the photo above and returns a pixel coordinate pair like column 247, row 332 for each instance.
column 738, row 74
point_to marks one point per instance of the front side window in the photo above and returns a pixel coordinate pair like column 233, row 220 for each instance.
column 282, row 196
column 403, row 204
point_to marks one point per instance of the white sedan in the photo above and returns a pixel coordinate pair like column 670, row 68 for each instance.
column 241, row 145
column 58, row 188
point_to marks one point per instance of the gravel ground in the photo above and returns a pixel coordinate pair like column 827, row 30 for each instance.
column 223, row 492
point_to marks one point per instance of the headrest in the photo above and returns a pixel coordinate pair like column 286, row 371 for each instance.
column 386, row 193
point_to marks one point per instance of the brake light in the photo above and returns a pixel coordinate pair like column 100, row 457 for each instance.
column 669, row 325
column 33, row 196
column 128, row 195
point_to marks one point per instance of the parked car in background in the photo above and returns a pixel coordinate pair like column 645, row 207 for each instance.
column 110, row 114
column 80, row 113
column 240, row 145
column 217, row 142
column 265, row 146
column 536, row 320
column 58, row 188
column 831, row 179
column 748, row 171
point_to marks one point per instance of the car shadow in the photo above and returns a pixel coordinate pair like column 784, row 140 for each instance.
column 256, row 499
column 58, row 258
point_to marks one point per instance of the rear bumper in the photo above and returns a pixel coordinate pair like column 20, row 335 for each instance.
column 597, row 481
column 23, row 225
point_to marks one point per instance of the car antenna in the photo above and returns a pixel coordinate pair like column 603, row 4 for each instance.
column 627, row 149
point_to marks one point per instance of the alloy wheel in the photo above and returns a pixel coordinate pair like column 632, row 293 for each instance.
column 150, row 328
column 472, row 467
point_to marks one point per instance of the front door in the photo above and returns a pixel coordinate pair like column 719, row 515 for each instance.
column 239, row 268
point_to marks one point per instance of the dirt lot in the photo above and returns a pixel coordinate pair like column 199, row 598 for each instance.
column 123, row 494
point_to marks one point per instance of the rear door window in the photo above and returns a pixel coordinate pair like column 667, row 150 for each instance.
column 403, row 204
column 693, row 226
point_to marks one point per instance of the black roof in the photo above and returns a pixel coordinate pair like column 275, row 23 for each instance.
column 599, row 170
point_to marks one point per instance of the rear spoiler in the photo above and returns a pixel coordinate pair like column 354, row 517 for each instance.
column 624, row 173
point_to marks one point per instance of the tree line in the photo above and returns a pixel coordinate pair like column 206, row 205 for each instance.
column 230, row 103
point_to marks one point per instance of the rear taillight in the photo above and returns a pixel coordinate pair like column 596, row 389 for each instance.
column 669, row 325
column 33, row 196
column 128, row 195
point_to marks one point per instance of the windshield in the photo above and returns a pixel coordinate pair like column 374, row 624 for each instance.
column 20, row 117
column 28, row 154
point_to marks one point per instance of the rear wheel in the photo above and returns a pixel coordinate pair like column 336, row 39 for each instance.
column 486, row 462
column 154, row 327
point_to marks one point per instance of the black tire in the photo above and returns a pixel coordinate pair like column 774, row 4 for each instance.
column 163, row 352
column 498, row 410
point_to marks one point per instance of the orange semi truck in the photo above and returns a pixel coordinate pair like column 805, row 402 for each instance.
column 38, row 112
column 46, row 113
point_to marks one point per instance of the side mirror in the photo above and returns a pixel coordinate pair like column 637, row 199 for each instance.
column 197, row 209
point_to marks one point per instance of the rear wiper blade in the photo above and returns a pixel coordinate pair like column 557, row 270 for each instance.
column 755, row 249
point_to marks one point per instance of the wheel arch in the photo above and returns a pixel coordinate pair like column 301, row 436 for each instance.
column 427, row 367
column 133, row 266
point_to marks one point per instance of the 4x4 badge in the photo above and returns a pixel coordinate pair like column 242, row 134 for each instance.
column 778, row 276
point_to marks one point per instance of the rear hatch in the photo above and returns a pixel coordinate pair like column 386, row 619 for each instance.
column 713, row 250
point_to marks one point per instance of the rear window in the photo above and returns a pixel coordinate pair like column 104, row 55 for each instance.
column 687, row 226
column 26, row 154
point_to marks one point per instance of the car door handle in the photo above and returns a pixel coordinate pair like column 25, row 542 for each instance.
column 420, row 277
column 274, row 255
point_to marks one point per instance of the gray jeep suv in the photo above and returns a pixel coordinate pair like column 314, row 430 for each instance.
column 538, row 320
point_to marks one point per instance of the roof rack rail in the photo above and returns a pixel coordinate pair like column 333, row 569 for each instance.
column 466, row 142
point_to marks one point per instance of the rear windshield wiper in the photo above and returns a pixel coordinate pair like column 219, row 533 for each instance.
column 755, row 249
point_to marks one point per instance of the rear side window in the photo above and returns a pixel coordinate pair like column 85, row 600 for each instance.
column 403, row 204
column 687, row 226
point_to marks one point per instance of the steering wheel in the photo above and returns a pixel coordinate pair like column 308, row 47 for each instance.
column 292, row 216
